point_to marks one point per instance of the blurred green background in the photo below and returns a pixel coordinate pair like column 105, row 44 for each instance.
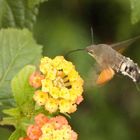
column 109, row 112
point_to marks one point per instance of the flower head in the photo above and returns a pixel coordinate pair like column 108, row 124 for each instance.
column 55, row 128
column 62, row 84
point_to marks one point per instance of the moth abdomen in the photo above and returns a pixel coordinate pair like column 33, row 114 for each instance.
column 131, row 69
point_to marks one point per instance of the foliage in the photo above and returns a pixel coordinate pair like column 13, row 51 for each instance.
column 18, row 13
column 111, row 111
column 22, row 93
column 18, row 49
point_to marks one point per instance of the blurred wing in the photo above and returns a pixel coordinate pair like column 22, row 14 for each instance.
column 105, row 76
column 121, row 46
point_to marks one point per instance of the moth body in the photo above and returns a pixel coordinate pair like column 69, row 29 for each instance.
column 130, row 69
column 107, row 57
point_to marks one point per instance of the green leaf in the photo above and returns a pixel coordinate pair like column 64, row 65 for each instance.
column 135, row 11
column 33, row 3
column 4, row 133
column 16, row 134
column 8, row 121
column 18, row 48
column 14, row 112
column 22, row 91
column 18, row 13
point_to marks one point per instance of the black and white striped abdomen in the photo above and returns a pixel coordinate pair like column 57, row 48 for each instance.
column 130, row 69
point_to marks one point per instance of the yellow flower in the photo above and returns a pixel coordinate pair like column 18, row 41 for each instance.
column 51, row 105
column 55, row 92
column 75, row 91
column 51, row 74
column 57, row 61
column 44, row 138
column 45, row 65
column 47, row 131
column 47, row 85
column 64, row 93
column 40, row 97
column 74, row 76
column 67, row 67
column 62, row 83
column 55, row 128
column 50, row 131
column 47, row 128
column 66, row 106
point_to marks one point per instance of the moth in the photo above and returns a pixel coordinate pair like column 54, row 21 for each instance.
column 111, row 61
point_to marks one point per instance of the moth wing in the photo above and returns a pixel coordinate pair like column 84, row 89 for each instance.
column 121, row 46
column 105, row 76
column 92, row 76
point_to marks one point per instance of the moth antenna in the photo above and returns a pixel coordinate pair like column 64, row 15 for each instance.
column 91, row 29
column 72, row 51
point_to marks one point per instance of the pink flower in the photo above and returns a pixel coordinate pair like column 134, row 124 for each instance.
column 41, row 119
column 35, row 79
column 50, row 129
column 59, row 121
column 34, row 132
column 74, row 135
column 26, row 138
column 79, row 100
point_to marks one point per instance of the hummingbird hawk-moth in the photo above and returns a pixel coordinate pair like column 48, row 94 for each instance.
column 111, row 61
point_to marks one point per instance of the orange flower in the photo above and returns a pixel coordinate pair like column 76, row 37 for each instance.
column 79, row 100
column 59, row 121
column 55, row 128
column 35, row 79
column 74, row 135
column 34, row 132
column 41, row 119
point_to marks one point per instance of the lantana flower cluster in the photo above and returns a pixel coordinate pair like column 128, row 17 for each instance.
column 55, row 128
column 58, row 85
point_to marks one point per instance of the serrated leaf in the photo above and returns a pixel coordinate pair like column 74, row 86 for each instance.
column 135, row 11
column 16, row 134
column 18, row 13
column 22, row 91
column 18, row 48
